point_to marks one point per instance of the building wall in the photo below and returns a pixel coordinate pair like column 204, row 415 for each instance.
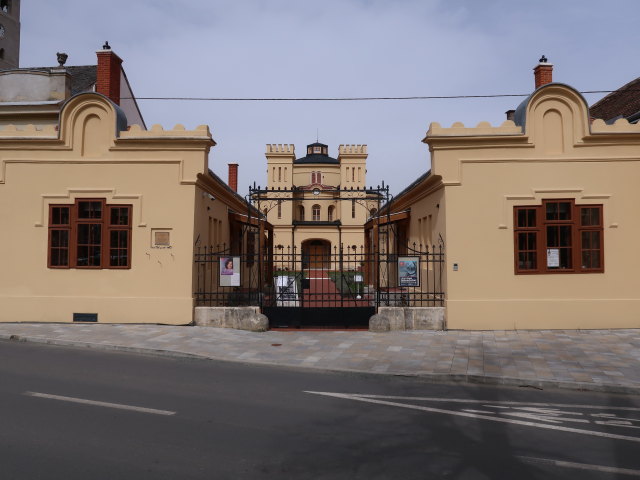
column 10, row 42
column 283, row 173
column 155, row 171
column 486, row 171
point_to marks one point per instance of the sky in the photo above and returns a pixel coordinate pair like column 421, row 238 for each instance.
column 337, row 48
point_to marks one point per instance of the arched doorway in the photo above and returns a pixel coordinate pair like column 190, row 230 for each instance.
column 316, row 253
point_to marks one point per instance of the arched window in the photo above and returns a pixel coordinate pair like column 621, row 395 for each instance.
column 301, row 213
column 373, row 211
column 330, row 213
column 316, row 213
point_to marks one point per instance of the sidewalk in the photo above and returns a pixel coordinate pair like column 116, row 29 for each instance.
column 596, row 360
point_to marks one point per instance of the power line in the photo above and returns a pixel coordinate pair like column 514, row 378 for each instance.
column 340, row 99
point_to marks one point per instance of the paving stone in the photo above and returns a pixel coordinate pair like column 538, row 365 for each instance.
column 595, row 357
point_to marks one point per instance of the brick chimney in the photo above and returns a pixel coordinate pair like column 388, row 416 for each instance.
column 543, row 72
column 109, row 71
column 233, row 176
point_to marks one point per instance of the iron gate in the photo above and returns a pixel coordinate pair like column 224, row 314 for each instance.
column 338, row 288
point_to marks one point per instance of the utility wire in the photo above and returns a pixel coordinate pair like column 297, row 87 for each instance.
column 340, row 99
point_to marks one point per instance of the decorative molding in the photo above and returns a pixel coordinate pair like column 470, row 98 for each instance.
column 102, row 161
column 73, row 193
column 538, row 194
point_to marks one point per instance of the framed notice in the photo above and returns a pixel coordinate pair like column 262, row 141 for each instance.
column 409, row 271
column 229, row 271
column 553, row 258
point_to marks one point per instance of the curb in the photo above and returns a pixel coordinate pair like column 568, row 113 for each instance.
column 428, row 377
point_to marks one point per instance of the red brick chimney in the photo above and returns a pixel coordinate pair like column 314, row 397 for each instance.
column 109, row 71
column 233, row 176
column 543, row 72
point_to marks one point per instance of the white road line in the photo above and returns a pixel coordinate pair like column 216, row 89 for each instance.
column 362, row 398
column 494, row 402
column 582, row 466
column 100, row 404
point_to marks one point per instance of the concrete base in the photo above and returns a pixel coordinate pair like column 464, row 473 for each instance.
column 240, row 318
column 407, row 318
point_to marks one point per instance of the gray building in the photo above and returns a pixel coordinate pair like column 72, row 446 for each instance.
column 9, row 34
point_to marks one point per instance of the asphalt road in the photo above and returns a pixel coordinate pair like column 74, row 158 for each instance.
column 81, row 414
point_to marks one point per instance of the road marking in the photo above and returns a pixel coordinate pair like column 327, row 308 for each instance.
column 100, row 404
column 581, row 466
column 488, row 403
column 377, row 400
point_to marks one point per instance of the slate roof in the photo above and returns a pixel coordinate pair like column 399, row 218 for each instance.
column 316, row 158
column 624, row 102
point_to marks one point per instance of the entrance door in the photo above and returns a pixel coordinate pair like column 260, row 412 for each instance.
column 316, row 253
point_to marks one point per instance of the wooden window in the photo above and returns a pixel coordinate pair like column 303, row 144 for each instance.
column 301, row 213
column 89, row 234
column 353, row 208
column 119, row 230
column 315, row 211
column 330, row 213
column 279, row 208
column 59, row 235
column 558, row 237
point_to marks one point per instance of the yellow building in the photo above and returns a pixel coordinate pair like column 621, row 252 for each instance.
column 101, row 219
column 317, row 204
column 538, row 216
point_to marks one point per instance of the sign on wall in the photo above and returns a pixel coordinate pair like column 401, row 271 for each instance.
column 409, row 271
column 553, row 258
column 229, row 271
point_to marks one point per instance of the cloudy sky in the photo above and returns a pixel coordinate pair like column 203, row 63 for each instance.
column 337, row 48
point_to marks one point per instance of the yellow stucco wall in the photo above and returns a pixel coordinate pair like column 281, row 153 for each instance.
column 155, row 171
column 485, row 171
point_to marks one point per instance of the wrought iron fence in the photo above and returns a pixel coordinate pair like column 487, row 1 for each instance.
column 346, row 276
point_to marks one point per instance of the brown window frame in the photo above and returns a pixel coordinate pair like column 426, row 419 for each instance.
column 76, row 222
column 572, row 227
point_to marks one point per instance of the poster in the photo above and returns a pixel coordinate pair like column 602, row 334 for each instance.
column 286, row 291
column 409, row 271
column 553, row 257
column 229, row 271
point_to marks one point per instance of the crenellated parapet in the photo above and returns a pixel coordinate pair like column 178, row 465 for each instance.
column 157, row 131
column 287, row 149
column 481, row 129
column 352, row 150
column 621, row 125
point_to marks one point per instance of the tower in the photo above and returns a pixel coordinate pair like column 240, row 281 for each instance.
column 9, row 34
